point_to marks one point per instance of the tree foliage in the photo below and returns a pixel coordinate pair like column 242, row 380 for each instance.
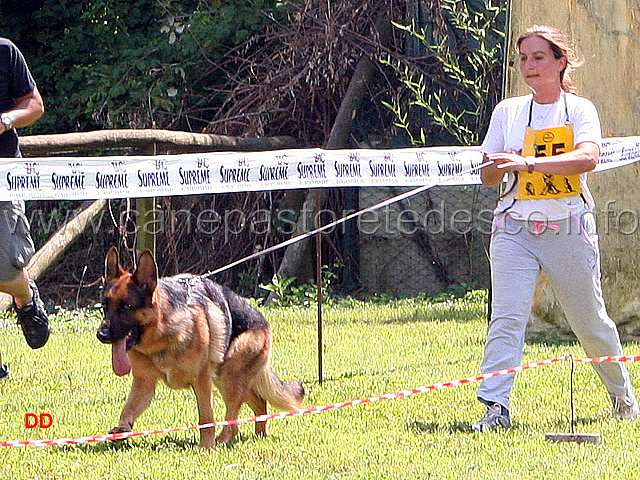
column 293, row 78
column 258, row 67
column 453, row 80
column 134, row 64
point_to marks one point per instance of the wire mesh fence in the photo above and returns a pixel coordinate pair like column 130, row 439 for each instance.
column 427, row 243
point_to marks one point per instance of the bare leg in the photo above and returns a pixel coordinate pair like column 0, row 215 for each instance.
column 18, row 288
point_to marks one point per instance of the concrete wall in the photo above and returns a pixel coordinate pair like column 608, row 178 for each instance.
column 606, row 34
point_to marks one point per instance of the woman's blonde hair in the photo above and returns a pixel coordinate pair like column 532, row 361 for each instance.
column 560, row 48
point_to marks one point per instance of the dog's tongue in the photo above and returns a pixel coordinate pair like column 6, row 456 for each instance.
column 119, row 358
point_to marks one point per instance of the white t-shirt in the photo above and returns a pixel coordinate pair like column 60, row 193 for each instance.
column 506, row 132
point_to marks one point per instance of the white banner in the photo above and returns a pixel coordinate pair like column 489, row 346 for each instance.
column 77, row 178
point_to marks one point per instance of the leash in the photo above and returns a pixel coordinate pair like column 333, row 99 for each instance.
column 346, row 218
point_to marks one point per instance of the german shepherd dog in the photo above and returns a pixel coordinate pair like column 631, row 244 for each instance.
column 189, row 332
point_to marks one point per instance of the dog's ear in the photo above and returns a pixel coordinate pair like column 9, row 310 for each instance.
column 146, row 274
column 112, row 268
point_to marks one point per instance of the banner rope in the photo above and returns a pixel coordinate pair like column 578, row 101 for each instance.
column 313, row 410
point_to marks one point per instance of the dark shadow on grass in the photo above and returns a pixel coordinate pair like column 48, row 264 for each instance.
column 152, row 443
column 421, row 314
column 565, row 425
column 554, row 341
column 465, row 427
column 173, row 441
column 349, row 375
column 455, row 427
column 416, row 366
column 101, row 447
column 433, row 427
column 416, row 319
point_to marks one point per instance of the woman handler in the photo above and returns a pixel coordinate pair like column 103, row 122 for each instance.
column 546, row 142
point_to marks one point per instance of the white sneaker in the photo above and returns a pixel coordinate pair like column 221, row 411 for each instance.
column 625, row 408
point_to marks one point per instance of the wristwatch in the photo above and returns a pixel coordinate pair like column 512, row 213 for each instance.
column 531, row 163
column 7, row 121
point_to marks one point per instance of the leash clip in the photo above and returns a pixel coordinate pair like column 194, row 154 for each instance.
column 189, row 283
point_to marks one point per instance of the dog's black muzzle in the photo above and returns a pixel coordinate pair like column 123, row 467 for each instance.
column 104, row 334
column 107, row 333
column 112, row 332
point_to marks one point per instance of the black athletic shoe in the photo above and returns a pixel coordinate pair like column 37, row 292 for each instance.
column 33, row 319
column 4, row 370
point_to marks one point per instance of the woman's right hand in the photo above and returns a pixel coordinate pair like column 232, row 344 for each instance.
column 502, row 162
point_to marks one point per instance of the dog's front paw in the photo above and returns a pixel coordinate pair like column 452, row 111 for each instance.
column 207, row 443
column 119, row 429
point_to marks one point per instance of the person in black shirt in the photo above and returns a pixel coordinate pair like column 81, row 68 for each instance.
column 20, row 105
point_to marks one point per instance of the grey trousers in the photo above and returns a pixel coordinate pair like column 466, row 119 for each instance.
column 16, row 245
column 567, row 251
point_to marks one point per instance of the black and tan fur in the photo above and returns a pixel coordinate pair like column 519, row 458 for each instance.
column 189, row 332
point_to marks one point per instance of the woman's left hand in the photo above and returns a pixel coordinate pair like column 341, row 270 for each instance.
column 508, row 161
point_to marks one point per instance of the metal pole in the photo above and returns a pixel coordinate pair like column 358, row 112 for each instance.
column 319, row 284
column 146, row 219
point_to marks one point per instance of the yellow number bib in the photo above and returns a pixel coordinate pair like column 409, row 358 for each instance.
column 544, row 143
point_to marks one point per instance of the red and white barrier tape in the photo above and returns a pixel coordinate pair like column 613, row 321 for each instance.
column 313, row 410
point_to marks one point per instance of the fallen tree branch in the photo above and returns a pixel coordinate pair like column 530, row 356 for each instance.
column 162, row 139
column 59, row 243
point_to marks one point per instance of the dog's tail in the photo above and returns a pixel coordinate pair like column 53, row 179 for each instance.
column 281, row 395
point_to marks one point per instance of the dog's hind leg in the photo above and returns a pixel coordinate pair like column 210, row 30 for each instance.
column 245, row 359
column 259, row 407
column 230, row 431
column 233, row 389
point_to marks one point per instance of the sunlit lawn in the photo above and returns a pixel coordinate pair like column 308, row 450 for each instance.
column 369, row 349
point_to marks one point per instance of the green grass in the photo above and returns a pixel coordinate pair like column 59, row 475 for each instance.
column 368, row 350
